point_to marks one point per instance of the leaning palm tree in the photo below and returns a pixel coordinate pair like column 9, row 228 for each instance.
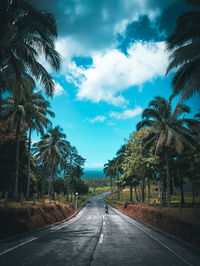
column 167, row 128
column 26, row 34
column 52, row 148
column 184, row 47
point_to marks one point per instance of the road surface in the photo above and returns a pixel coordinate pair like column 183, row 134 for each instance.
column 94, row 238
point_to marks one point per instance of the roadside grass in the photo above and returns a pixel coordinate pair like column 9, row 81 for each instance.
column 175, row 199
column 187, row 211
column 70, row 203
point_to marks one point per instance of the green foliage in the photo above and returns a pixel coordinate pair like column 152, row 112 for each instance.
column 185, row 50
column 59, row 185
column 7, row 158
column 97, row 182
column 81, row 187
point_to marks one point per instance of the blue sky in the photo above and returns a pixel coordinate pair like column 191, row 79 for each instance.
column 113, row 63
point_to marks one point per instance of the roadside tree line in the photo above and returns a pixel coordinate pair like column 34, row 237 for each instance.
column 166, row 144
column 26, row 34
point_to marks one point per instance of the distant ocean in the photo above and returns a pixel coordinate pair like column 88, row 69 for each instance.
column 93, row 173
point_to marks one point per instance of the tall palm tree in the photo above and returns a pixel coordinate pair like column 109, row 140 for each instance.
column 184, row 46
column 14, row 109
column 26, row 34
column 36, row 108
column 167, row 128
column 74, row 176
column 52, row 148
column 109, row 170
column 72, row 160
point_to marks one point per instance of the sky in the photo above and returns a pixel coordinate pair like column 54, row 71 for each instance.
column 114, row 62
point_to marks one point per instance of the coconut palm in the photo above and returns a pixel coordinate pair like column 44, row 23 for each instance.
column 184, row 46
column 36, row 108
column 26, row 34
column 74, row 176
column 109, row 170
column 72, row 160
column 167, row 128
column 52, row 148
column 14, row 109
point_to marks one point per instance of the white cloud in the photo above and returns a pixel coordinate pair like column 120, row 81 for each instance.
column 94, row 165
column 113, row 72
column 110, row 123
column 127, row 113
column 59, row 90
column 99, row 118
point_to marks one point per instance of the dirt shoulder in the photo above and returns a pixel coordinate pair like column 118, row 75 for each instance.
column 19, row 220
column 163, row 220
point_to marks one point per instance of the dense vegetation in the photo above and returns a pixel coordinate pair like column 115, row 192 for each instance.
column 26, row 34
column 165, row 148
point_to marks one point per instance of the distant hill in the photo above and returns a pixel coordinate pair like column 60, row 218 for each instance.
column 93, row 173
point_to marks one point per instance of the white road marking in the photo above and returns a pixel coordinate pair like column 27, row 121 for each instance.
column 101, row 239
column 24, row 243
column 73, row 220
column 51, row 229
column 131, row 221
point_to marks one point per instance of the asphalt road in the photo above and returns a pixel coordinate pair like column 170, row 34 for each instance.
column 95, row 238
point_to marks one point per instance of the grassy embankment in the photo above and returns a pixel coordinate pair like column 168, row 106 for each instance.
column 16, row 218
column 187, row 209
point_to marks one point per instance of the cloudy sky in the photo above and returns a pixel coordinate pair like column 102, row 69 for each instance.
column 113, row 63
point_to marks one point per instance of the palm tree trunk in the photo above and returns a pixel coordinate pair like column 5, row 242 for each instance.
column 193, row 193
column 71, row 196
column 50, row 183
column 17, row 158
column 143, row 180
column 182, row 192
column 139, row 194
column 168, row 178
column 111, row 186
column 131, row 193
column 149, row 186
column 118, row 192
column 136, row 195
column 29, row 160
column 68, row 183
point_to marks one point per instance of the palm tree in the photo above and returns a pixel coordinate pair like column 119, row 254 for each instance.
column 72, row 160
column 52, row 148
column 74, row 177
column 184, row 46
column 14, row 109
column 36, row 108
column 121, row 154
column 167, row 128
column 26, row 34
column 109, row 170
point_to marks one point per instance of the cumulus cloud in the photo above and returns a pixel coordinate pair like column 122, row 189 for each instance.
column 94, row 23
column 113, row 72
column 129, row 113
column 99, row 118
